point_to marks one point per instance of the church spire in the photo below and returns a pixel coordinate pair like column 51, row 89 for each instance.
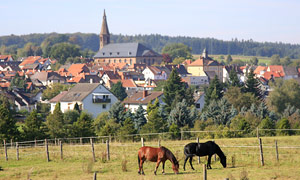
column 104, row 34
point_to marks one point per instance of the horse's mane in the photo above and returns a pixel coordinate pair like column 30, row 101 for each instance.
column 170, row 154
column 219, row 151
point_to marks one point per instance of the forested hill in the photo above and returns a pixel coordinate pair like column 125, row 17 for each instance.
column 10, row 44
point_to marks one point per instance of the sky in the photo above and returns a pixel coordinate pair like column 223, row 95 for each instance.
column 260, row 20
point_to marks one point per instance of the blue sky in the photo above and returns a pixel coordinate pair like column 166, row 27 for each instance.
column 260, row 20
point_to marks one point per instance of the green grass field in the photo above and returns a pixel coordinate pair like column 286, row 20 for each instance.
column 265, row 60
column 78, row 164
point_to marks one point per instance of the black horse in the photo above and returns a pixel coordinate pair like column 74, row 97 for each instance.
column 208, row 148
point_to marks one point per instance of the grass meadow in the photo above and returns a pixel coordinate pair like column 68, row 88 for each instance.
column 243, row 161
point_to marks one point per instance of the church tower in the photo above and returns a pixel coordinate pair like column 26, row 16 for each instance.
column 104, row 34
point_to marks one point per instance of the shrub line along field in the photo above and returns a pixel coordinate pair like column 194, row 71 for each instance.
column 243, row 160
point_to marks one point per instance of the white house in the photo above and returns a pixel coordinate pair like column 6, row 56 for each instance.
column 93, row 98
column 199, row 100
column 142, row 97
column 196, row 80
column 155, row 73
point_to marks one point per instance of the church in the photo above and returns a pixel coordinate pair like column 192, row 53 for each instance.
column 130, row 53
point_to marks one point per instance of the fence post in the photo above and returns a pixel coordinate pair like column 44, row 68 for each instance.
column 257, row 133
column 142, row 140
column 61, row 150
column 11, row 143
column 95, row 176
column 55, row 142
column 5, row 149
column 109, row 138
column 93, row 151
column 204, row 172
column 276, row 148
column 80, row 141
column 159, row 143
column 181, row 135
column 107, row 149
column 17, row 147
column 198, row 156
column 47, row 150
column 35, row 142
column 261, row 152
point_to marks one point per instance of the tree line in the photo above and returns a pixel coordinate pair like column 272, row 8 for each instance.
column 88, row 43
column 228, row 106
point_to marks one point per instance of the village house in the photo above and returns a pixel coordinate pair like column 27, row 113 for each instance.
column 47, row 78
column 93, row 98
column 6, row 58
column 156, row 73
column 142, row 98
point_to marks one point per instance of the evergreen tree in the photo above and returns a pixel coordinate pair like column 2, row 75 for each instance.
column 119, row 91
column 228, row 59
column 70, row 117
column 234, row 79
column 55, row 123
column 127, row 128
column 252, row 84
column 174, row 131
column 151, row 106
column 254, row 61
column 173, row 88
column 181, row 115
column 139, row 118
column 155, row 123
column 83, row 127
column 117, row 112
column 267, row 123
column 33, row 126
column 8, row 128
column 214, row 91
column 283, row 124
column 110, row 128
column 76, row 107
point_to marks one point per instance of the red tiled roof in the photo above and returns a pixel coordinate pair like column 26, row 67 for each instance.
column 75, row 69
column 5, row 57
column 125, row 82
column 138, row 98
column 259, row 69
column 276, row 68
column 5, row 85
column 30, row 60
column 268, row 75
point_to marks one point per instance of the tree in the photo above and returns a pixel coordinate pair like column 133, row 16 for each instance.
column 151, row 106
column 228, row 59
column 177, row 50
column 33, row 126
column 267, row 123
column 119, row 91
column 174, row 131
column 286, row 61
column 62, row 51
column 275, row 59
column 127, row 128
column 117, row 112
column 254, row 61
column 8, row 127
column 55, row 123
column 100, row 122
column 155, row 123
column 71, row 116
column 283, row 124
column 166, row 58
column 239, row 123
column 76, row 107
column 83, row 127
column 110, row 128
column 18, row 82
column 181, row 115
column 173, row 90
column 53, row 90
column 234, row 79
column 214, row 91
column 252, row 85
column 139, row 118
column 284, row 93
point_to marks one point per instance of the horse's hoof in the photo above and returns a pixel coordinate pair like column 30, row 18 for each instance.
column 155, row 173
column 164, row 173
column 139, row 173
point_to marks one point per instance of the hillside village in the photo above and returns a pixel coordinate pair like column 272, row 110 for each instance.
column 142, row 73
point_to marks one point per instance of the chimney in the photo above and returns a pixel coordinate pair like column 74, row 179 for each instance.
column 145, row 93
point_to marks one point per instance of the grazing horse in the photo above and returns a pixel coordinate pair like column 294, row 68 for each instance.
column 157, row 155
column 208, row 148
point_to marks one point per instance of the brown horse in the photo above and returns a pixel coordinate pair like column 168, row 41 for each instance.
column 157, row 155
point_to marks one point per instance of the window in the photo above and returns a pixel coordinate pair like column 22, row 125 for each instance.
column 120, row 60
column 114, row 61
column 103, row 106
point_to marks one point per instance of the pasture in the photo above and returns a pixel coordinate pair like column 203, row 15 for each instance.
column 243, row 161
